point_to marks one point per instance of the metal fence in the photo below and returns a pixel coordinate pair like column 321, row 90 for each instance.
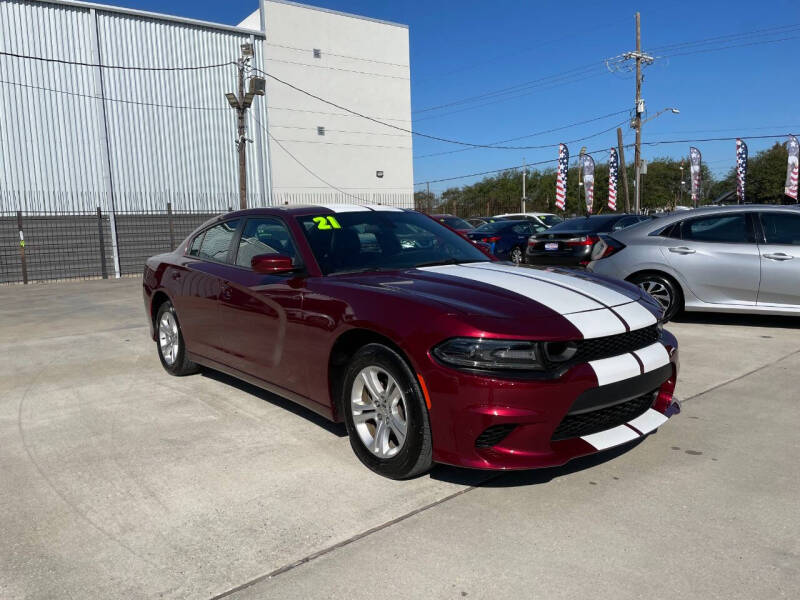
column 36, row 246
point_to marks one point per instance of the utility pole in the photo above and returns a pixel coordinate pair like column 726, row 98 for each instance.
column 241, row 104
column 524, row 174
column 641, row 60
column 623, row 171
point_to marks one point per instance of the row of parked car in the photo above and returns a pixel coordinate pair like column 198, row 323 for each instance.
column 722, row 259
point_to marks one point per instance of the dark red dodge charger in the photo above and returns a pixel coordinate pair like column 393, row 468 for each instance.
column 426, row 348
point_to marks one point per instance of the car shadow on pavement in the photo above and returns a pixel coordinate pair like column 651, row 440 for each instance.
column 746, row 320
column 337, row 429
column 476, row 478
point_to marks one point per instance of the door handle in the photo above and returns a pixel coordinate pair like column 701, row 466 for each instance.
column 682, row 250
column 779, row 256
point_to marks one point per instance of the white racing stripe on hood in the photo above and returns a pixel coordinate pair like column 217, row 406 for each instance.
column 635, row 315
column 596, row 323
column 559, row 299
column 604, row 295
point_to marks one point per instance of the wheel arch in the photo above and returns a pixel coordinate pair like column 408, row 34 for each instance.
column 159, row 298
column 343, row 349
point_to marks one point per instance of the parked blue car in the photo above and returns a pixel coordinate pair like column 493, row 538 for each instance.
column 506, row 239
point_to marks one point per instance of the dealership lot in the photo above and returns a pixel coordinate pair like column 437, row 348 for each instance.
column 117, row 480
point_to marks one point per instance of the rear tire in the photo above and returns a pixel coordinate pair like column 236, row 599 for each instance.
column 664, row 290
column 169, row 340
column 516, row 255
column 385, row 414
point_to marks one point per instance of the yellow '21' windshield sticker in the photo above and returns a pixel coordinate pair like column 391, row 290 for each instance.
column 328, row 222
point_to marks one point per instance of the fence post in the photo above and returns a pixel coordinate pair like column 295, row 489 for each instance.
column 103, row 268
column 171, row 228
column 22, row 248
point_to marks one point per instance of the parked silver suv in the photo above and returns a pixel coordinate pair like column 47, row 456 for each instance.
column 722, row 259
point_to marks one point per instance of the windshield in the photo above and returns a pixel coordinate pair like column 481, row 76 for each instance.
column 551, row 220
column 455, row 223
column 494, row 227
column 383, row 240
column 584, row 224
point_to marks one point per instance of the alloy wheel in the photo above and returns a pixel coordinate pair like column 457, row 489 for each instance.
column 168, row 338
column 659, row 291
column 379, row 412
column 516, row 255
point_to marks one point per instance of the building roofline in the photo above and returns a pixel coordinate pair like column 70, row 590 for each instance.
column 152, row 15
column 338, row 12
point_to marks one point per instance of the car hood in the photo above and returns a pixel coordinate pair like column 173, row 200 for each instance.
column 595, row 305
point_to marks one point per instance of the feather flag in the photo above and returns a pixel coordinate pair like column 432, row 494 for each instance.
column 588, row 180
column 695, row 158
column 613, row 177
column 792, row 168
column 561, row 178
column 741, row 168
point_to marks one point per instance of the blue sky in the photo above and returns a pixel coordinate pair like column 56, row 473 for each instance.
column 471, row 47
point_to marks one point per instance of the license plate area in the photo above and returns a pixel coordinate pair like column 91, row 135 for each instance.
column 551, row 246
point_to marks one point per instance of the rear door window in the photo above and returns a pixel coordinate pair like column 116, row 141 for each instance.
column 724, row 228
column 781, row 228
column 217, row 241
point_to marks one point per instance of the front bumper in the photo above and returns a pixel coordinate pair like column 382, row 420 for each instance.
column 490, row 423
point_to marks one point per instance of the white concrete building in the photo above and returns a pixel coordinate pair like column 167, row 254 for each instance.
column 89, row 117
column 355, row 62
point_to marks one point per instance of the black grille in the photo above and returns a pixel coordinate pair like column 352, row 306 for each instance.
column 493, row 435
column 611, row 345
column 599, row 420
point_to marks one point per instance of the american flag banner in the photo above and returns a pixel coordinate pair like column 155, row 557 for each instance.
column 613, row 176
column 741, row 168
column 561, row 178
column 588, row 180
column 695, row 159
column 792, row 167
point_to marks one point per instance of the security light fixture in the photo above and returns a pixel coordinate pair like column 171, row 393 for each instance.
column 247, row 49
column 257, row 86
column 232, row 100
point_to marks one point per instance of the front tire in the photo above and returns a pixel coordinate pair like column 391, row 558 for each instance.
column 169, row 339
column 664, row 290
column 385, row 414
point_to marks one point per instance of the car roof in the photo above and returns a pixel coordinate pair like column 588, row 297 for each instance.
column 309, row 209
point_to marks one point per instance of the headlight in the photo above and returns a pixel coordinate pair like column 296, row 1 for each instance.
column 480, row 353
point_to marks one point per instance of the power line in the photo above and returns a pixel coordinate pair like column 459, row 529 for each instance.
column 328, row 129
column 120, row 100
column 705, row 50
column 327, row 112
column 299, row 162
column 374, row 120
column 344, row 144
column 585, row 69
column 730, row 37
column 121, row 67
column 302, row 64
column 546, row 131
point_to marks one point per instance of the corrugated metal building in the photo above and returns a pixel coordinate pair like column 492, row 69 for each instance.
column 75, row 136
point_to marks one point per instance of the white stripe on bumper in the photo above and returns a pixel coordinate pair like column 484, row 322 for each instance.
column 616, row 368
column 649, row 421
column 653, row 357
column 611, row 437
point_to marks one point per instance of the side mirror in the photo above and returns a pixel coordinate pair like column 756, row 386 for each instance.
column 271, row 263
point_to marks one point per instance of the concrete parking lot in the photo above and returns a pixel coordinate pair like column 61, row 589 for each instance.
column 119, row 481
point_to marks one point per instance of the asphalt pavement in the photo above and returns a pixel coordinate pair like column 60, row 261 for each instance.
column 119, row 481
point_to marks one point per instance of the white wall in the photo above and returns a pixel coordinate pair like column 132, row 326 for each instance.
column 364, row 66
